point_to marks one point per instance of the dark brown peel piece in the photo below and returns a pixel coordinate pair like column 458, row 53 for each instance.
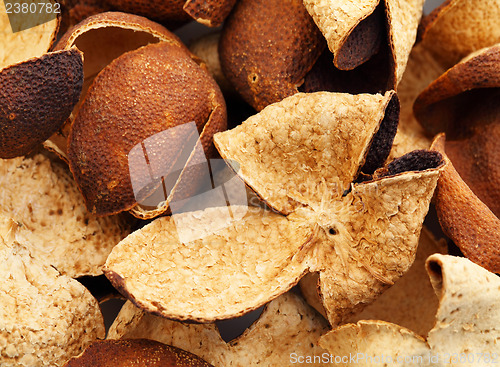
column 134, row 352
column 363, row 42
column 211, row 13
column 162, row 11
column 36, row 97
column 465, row 218
column 415, row 161
column 267, row 48
column 382, row 141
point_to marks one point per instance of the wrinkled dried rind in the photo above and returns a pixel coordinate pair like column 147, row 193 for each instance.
column 469, row 308
column 337, row 19
column 26, row 44
column 460, row 27
column 266, row 49
column 403, row 19
column 287, row 325
column 41, row 196
column 45, row 318
column 138, row 352
column 382, row 225
column 411, row 302
column 372, row 342
column 478, row 70
column 36, row 97
column 421, row 70
column 289, row 147
column 210, row 13
column 465, row 218
column 105, row 180
column 224, row 274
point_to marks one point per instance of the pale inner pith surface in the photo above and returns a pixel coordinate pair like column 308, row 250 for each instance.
column 19, row 46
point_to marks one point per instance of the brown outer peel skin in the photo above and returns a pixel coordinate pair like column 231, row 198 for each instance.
column 466, row 219
column 36, row 97
column 106, row 113
column 162, row 11
column 210, row 13
column 136, row 352
column 479, row 70
column 267, row 48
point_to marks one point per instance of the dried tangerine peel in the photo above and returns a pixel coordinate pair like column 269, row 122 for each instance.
column 435, row 107
column 143, row 352
column 465, row 291
column 106, row 112
column 36, row 98
column 305, row 130
column 220, row 276
column 169, row 12
column 421, row 70
column 266, row 49
column 370, row 342
column 102, row 38
column 338, row 21
column 41, row 196
column 210, row 13
column 469, row 307
column 287, row 325
column 45, row 318
column 465, row 218
column 360, row 243
column 411, row 301
column 29, row 43
column 459, row 27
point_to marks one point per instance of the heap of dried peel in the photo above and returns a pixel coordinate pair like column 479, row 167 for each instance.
column 344, row 118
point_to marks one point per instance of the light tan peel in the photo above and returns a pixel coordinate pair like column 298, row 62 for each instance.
column 360, row 241
column 40, row 195
column 287, row 325
column 466, row 323
column 45, row 318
